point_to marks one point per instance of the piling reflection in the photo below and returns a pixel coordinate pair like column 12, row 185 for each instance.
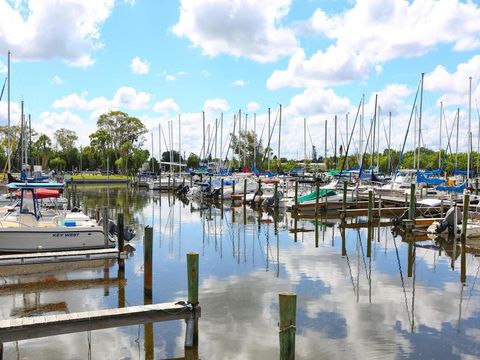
column 360, row 288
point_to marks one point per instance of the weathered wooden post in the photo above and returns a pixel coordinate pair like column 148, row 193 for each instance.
column 466, row 207
column 244, row 192
column 317, row 197
column 147, row 261
column 370, row 206
column 343, row 233
column 411, row 258
column 191, row 336
column 97, row 213
column 411, row 210
column 191, row 180
column 120, row 232
column 287, row 325
column 344, row 203
column 192, row 276
column 233, row 191
column 69, row 200
column 406, row 200
column 259, row 190
column 476, row 186
column 221, row 191
column 275, row 196
column 105, row 226
column 463, row 259
column 296, row 191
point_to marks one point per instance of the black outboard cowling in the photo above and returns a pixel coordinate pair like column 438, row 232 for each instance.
column 448, row 221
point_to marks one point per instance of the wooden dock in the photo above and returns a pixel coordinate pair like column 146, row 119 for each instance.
column 60, row 256
column 41, row 326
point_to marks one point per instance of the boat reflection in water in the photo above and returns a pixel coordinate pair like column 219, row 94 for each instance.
column 362, row 292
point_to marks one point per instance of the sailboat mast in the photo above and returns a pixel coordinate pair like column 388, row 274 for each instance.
column 469, row 129
column 440, row 137
column 325, row 158
column 22, row 118
column 335, row 143
column 268, row 147
column 346, row 137
column 180, row 145
column 420, row 122
column 378, row 140
column 279, row 135
column 151, row 156
column 373, row 126
column 160, row 146
column 254, row 141
column 221, row 139
column 389, row 141
column 305, row 139
column 9, row 146
column 456, row 146
column 203, row 147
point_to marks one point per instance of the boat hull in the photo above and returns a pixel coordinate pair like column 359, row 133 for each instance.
column 37, row 239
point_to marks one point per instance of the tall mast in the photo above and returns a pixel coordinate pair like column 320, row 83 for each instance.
column 9, row 146
column 440, row 137
column 420, row 123
column 254, row 141
column 456, row 146
column 160, row 146
column 325, row 158
column 362, row 121
column 179, row 145
column 221, row 139
column 22, row 118
column 335, row 142
column 279, row 135
column 374, row 123
column 389, row 140
column 203, row 147
column 151, row 156
column 346, row 140
column 378, row 140
column 268, row 159
column 469, row 129
column 30, row 142
column 305, row 139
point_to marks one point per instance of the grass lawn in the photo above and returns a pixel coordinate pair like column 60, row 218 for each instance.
column 98, row 177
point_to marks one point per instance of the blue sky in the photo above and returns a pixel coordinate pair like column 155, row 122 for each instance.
column 73, row 60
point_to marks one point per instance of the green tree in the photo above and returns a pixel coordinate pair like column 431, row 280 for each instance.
column 65, row 139
column 122, row 132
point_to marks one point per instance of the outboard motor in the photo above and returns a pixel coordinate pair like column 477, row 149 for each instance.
column 448, row 221
column 128, row 233
column 183, row 190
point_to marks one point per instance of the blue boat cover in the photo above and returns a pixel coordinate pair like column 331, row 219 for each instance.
column 421, row 178
column 457, row 189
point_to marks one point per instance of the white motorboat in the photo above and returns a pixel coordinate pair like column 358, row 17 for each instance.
column 27, row 231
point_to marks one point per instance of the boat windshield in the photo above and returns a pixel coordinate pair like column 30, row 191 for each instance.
column 28, row 203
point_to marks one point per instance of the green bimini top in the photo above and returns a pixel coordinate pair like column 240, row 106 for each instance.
column 313, row 195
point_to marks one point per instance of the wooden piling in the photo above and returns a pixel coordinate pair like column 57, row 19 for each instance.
column 287, row 324
column 412, row 205
column 244, row 192
column 317, row 197
column 105, row 226
column 275, row 196
column 97, row 213
column 147, row 261
column 466, row 206
column 344, row 203
column 221, row 191
column 476, row 185
column 120, row 232
column 370, row 206
column 296, row 191
column 233, row 191
column 192, row 276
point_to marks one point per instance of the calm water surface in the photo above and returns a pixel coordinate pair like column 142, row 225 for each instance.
column 402, row 301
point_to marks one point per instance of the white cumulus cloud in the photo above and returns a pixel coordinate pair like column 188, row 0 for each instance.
column 241, row 28
column 238, row 83
column 253, row 106
column 167, row 105
column 140, row 67
column 215, row 105
column 124, row 98
column 68, row 29
column 390, row 29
